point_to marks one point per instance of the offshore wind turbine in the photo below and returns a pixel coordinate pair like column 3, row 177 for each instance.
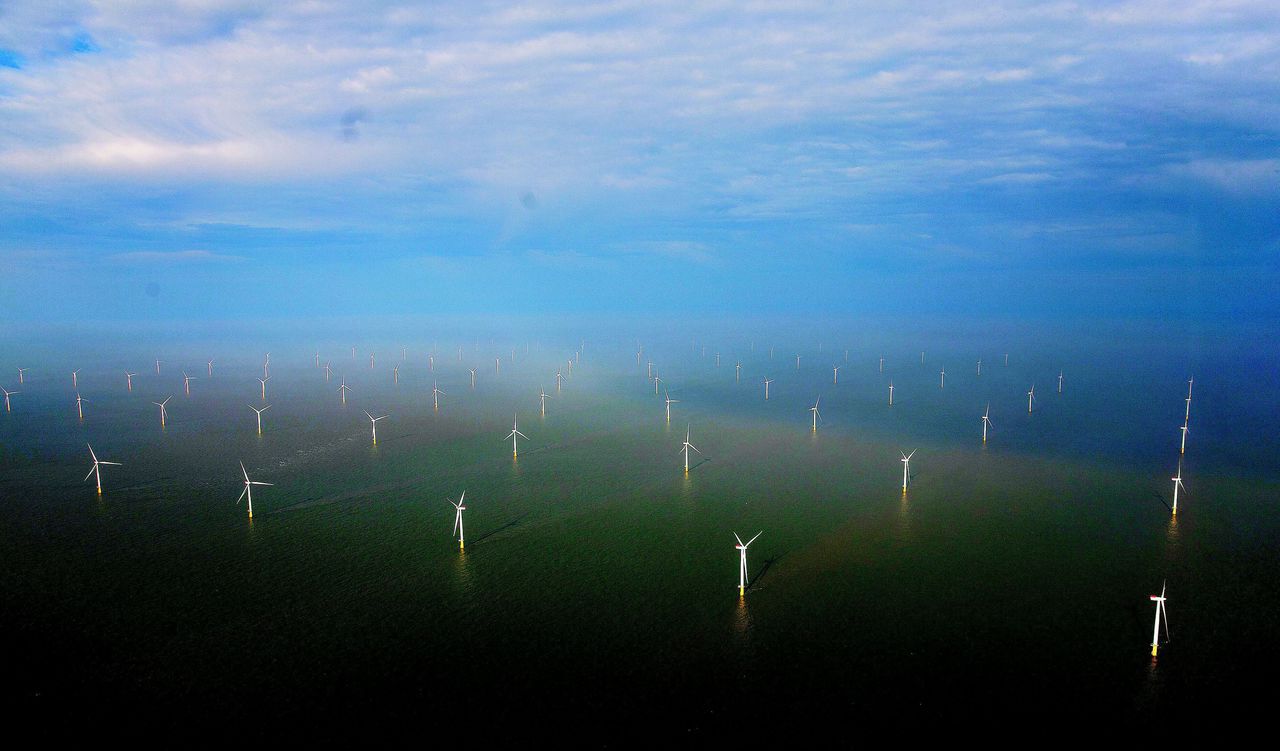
column 881, row 364
column 515, row 435
column 814, row 410
column 7, row 394
column 373, row 421
column 656, row 381
column 737, row 373
column 248, row 489
column 370, row 361
column 767, row 381
column 460, row 506
column 157, row 366
column 942, row 384
column 1059, row 381
column 986, row 422
column 835, row 374
column 685, row 448
column 94, row 469
column 79, row 408
column 1184, row 429
column 22, row 377
column 435, row 395
column 890, row 393
column 979, row 366
column 1177, row 483
column 1006, row 359
column 209, row 365
column 186, row 383
column 670, row 401
column 75, row 383
column 395, row 374
column 264, row 387
column 1161, row 612
column 473, row 377
column 797, row 362
column 343, row 389
column 558, row 378
column 259, row 411
column 906, row 469
column 128, row 379
column 543, row 396
column 742, row 561
column 163, row 412
column 328, row 370
column 1031, row 395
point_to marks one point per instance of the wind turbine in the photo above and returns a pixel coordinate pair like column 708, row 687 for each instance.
column 431, row 362
column 435, row 395
column 473, row 377
column 1006, row 359
column 1160, row 612
column 737, row 373
column 22, row 371
column 497, row 365
column 942, row 384
column 797, row 362
column 248, row 489
column 558, row 377
column 163, row 412
column 670, row 401
column 922, row 357
column 343, row 389
column 75, row 383
column 353, row 352
column 1031, row 395
column 881, row 364
column 986, row 422
column 1184, row 429
column 264, row 387
column 767, row 381
column 515, row 435
column 543, row 396
column 717, row 359
column 7, row 394
column 317, row 359
column 128, row 378
column 79, row 408
column 685, row 448
column 186, row 383
column 328, row 370
column 906, row 469
column 157, row 366
column 259, row 411
column 979, row 366
column 395, row 374
column 1059, row 381
column 374, row 422
column 890, row 393
column 1177, row 483
column 370, row 361
column 742, row 562
column 210, row 365
column 94, row 469
column 460, row 506
column 835, row 373
column 656, row 381
column 814, row 410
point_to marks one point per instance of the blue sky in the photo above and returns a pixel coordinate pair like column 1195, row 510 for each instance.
column 200, row 159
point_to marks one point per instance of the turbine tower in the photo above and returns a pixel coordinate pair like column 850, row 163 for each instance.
column 1161, row 612
column 373, row 421
column 164, row 413
column 767, row 381
column 94, row 469
column 460, row 506
column 515, row 435
column 259, row 411
column 248, row 489
column 685, row 448
column 906, row 469
column 742, row 561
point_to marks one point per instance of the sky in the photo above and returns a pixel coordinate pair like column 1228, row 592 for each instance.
column 226, row 160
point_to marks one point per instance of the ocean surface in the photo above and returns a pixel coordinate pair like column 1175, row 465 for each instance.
column 597, row 596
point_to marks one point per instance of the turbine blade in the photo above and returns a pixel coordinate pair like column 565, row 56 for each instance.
column 91, row 469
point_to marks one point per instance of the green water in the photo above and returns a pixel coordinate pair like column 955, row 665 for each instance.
column 1007, row 586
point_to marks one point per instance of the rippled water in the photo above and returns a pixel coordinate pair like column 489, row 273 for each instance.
column 598, row 589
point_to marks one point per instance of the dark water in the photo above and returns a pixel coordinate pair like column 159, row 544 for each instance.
column 597, row 596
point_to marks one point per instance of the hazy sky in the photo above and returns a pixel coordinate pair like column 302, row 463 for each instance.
column 206, row 159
